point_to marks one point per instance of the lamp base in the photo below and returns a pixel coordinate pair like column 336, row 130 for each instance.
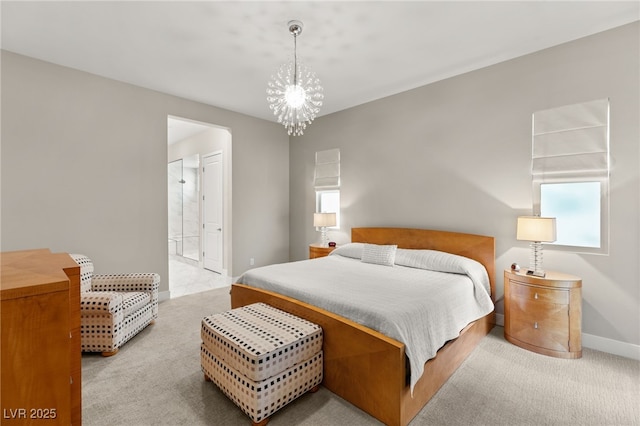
column 535, row 260
column 324, row 239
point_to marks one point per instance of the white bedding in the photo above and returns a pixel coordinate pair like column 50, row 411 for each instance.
column 425, row 299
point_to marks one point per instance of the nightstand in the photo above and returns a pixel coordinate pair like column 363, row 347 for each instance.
column 544, row 315
column 316, row 250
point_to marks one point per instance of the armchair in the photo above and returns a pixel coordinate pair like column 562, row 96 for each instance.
column 114, row 307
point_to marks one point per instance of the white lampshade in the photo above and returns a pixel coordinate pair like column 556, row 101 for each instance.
column 324, row 219
column 537, row 229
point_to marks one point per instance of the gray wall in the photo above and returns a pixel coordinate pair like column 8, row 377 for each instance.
column 84, row 169
column 455, row 155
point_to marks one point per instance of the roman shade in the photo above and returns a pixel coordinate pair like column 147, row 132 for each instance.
column 327, row 172
column 573, row 139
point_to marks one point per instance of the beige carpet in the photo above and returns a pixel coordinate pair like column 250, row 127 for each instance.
column 156, row 379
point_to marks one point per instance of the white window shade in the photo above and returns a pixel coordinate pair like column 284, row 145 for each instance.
column 327, row 172
column 571, row 139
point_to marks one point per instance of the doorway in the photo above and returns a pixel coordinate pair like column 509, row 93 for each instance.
column 199, row 190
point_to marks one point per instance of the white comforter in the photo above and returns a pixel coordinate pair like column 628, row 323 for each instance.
column 425, row 299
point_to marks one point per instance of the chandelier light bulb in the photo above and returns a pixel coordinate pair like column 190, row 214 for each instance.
column 295, row 96
column 294, row 93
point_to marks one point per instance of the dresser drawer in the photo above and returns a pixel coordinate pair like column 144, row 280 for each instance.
column 540, row 323
column 539, row 294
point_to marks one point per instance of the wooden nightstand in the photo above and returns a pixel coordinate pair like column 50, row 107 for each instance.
column 544, row 315
column 316, row 250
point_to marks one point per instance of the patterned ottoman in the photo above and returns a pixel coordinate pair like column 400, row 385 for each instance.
column 261, row 357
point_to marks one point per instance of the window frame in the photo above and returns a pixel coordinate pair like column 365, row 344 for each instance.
column 604, row 211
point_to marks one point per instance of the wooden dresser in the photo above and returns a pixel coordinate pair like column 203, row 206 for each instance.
column 40, row 343
column 544, row 315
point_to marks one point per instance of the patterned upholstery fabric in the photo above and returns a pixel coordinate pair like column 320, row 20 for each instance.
column 114, row 308
column 86, row 271
column 260, row 340
column 133, row 301
column 262, row 358
column 260, row 400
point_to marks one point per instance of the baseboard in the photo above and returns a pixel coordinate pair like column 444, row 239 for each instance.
column 164, row 295
column 615, row 347
column 602, row 344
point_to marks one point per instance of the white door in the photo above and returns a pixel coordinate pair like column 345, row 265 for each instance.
column 212, row 211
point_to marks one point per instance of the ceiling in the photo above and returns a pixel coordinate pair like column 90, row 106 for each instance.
column 223, row 53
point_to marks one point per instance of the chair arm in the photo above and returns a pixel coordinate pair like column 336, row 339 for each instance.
column 126, row 282
column 100, row 301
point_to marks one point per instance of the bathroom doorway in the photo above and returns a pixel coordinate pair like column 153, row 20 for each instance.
column 190, row 144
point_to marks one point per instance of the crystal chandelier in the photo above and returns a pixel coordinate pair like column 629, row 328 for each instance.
column 294, row 93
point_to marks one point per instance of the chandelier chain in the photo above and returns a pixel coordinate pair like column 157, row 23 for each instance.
column 295, row 59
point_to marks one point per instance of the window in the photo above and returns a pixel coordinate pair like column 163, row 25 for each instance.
column 327, row 183
column 570, row 168
column 576, row 207
column 329, row 202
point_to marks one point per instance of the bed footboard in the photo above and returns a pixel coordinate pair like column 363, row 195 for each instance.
column 366, row 367
column 350, row 351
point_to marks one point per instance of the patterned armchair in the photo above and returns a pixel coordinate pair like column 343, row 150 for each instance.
column 114, row 307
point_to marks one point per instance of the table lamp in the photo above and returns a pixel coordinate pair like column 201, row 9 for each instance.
column 322, row 221
column 537, row 230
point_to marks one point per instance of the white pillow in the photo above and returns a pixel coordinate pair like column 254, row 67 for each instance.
column 353, row 250
column 379, row 254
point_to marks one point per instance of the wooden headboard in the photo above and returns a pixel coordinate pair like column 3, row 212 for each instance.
column 477, row 247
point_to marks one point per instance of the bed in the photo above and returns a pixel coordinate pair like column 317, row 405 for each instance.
column 377, row 363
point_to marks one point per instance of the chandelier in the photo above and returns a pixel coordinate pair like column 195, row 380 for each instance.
column 294, row 93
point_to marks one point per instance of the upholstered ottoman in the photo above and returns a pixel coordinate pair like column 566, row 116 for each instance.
column 262, row 358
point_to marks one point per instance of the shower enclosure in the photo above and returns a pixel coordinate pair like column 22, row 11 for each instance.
column 184, row 207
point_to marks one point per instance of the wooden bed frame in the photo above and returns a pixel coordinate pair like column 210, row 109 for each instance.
column 369, row 369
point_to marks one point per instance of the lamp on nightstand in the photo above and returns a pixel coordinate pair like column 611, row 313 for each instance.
column 538, row 230
column 322, row 221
